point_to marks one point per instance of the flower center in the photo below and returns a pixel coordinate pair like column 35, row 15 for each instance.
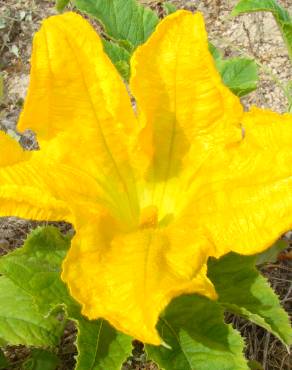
column 149, row 217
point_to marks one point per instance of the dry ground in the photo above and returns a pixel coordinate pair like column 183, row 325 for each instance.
column 253, row 35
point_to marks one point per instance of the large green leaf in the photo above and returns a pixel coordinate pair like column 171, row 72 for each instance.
column 41, row 360
column 282, row 17
column 193, row 327
column 239, row 74
column 21, row 322
column 122, row 19
column 36, row 269
column 243, row 291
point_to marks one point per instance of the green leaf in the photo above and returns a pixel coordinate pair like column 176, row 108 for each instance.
column 120, row 58
column 21, row 322
column 216, row 54
column 101, row 346
column 281, row 15
column 41, row 360
column 122, row 19
column 271, row 254
column 3, row 361
column 36, row 269
column 243, row 291
column 239, row 74
column 254, row 365
column 194, row 328
column 61, row 4
column 169, row 8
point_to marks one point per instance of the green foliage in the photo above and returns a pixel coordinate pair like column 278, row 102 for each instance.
column 119, row 56
column 243, row 291
column 282, row 17
column 194, row 328
column 101, row 346
column 239, row 74
column 168, row 7
column 41, row 360
column 35, row 269
column 61, row 4
column 20, row 321
column 3, row 361
column 216, row 54
column 122, row 19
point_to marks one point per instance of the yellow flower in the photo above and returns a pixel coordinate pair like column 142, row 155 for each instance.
column 152, row 195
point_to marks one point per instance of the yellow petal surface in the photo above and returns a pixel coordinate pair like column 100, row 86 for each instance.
column 242, row 196
column 128, row 279
column 11, row 151
column 22, row 192
column 183, row 106
column 76, row 91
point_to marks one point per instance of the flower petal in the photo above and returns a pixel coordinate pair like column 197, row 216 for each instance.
column 21, row 192
column 76, row 91
column 243, row 194
column 11, row 151
column 129, row 279
column 181, row 99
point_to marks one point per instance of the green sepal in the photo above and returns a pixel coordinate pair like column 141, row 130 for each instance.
column 244, row 291
column 196, row 337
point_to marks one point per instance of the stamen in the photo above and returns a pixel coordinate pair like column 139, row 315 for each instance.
column 149, row 217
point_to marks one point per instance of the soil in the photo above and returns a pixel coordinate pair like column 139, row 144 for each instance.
column 255, row 35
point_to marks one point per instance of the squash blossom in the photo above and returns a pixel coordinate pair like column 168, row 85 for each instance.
column 152, row 194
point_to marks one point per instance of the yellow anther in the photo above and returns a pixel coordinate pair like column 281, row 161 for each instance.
column 149, row 217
